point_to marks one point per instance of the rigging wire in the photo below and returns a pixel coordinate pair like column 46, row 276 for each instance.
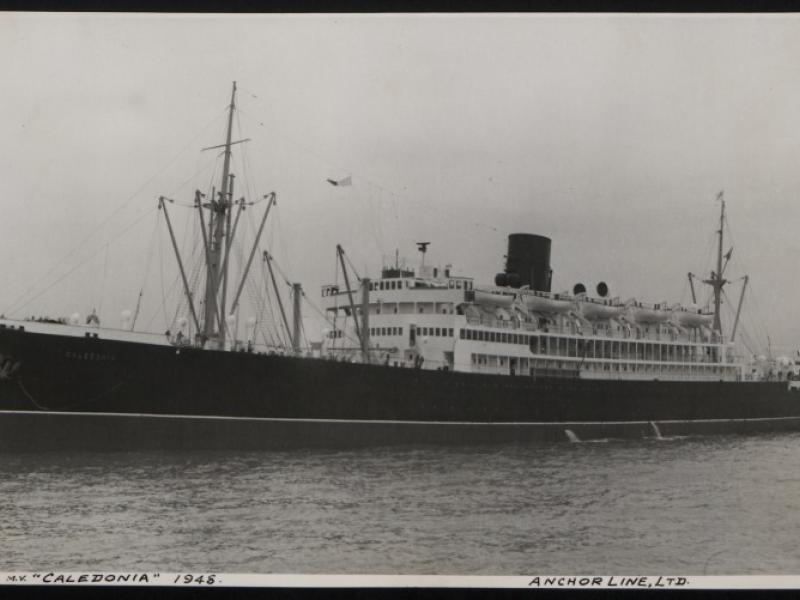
column 278, row 338
column 757, row 312
column 151, row 247
column 105, row 221
column 335, row 298
column 345, row 334
column 352, row 266
column 214, row 160
column 266, row 327
column 398, row 197
column 116, row 238
column 163, row 292
column 245, row 162
column 103, row 280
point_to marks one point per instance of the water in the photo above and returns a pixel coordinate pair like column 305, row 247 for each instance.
column 715, row 505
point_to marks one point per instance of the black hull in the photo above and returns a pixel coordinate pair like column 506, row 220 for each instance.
column 95, row 393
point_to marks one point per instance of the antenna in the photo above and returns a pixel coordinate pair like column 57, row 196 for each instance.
column 423, row 248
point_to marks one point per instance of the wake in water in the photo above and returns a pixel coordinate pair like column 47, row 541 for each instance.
column 661, row 438
column 573, row 438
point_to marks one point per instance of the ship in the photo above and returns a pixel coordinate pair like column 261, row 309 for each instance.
column 416, row 356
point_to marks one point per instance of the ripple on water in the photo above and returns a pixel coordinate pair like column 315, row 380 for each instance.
column 717, row 505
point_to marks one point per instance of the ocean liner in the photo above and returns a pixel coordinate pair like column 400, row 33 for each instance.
column 416, row 356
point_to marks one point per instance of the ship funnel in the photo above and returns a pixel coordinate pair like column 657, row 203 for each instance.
column 528, row 261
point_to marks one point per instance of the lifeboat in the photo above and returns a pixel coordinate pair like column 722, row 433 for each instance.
column 548, row 304
column 596, row 310
column 692, row 317
column 494, row 297
column 649, row 314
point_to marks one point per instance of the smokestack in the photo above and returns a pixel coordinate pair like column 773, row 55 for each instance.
column 528, row 261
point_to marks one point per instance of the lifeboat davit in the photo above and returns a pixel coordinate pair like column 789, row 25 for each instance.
column 693, row 317
column 548, row 304
column 596, row 310
column 494, row 297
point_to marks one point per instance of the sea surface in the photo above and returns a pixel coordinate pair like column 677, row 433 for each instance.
column 705, row 505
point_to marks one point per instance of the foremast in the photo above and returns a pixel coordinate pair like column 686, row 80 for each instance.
column 220, row 209
column 218, row 237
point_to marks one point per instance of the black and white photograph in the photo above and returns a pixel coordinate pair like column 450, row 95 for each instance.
column 400, row 299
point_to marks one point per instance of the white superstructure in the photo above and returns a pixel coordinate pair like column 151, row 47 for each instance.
column 444, row 322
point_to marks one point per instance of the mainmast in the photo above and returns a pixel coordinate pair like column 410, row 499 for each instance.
column 220, row 207
column 717, row 281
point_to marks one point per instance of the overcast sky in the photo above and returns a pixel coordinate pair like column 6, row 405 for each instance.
column 610, row 134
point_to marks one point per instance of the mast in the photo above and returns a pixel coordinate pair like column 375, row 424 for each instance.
column 219, row 210
column 691, row 287
column 719, row 279
column 739, row 308
column 218, row 239
column 340, row 252
column 364, row 318
column 228, row 243
column 716, row 281
column 268, row 260
column 187, row 290
column 297, row 317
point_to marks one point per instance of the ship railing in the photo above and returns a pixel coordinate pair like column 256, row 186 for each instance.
column 601, row 301
column 548, row 295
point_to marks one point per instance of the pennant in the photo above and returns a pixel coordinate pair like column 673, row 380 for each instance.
column 728, row 255
column 341, row 182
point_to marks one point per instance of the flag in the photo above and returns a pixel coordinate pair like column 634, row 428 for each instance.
column 346, row 181
column 728, row 255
